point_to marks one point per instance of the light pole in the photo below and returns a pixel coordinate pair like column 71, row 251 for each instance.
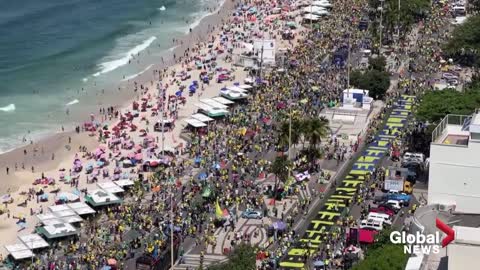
column 381, row 25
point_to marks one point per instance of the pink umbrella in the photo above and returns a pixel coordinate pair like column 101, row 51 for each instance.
column 102, row 147
column 139, row 156
column 98, row 152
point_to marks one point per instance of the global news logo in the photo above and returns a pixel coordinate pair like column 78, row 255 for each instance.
column 419, row 243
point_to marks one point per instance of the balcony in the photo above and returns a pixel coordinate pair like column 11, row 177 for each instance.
column 453, row 130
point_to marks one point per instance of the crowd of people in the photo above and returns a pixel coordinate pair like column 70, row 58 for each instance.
column 231, row 153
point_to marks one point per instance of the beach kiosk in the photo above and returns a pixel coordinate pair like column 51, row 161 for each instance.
column 57, row 230
column 33, row 241
column 210, row 110
column 234, row 95
column 81, row 208
column 223, row 100
column 19, row 251
column 110, row 187
column 100, row 197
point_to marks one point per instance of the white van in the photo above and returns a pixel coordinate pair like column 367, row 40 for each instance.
column 374, row 224
column 380, row 216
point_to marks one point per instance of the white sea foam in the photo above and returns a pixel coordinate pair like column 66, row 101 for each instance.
column 137, row 74
column 75, row 101
column 173, row 48
column 202, row 16
column 8, row 108
column 112, row 65
column 162, row 8
column 85, row 79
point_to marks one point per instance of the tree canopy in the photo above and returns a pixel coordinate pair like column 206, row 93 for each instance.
column 435, row 105
column 242, row 258
column 464, row 46
column 377, row 82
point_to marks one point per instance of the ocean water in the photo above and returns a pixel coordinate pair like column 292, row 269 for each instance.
column 57, row 55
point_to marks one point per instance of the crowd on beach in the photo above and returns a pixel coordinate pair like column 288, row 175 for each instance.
column 231, row 153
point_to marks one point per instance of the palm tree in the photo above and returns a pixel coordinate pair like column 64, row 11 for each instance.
column 284, row 133
column 280, row 168
column 315, row 129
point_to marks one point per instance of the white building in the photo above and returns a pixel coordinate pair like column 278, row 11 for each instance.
column 464, row 249
column 454, row 178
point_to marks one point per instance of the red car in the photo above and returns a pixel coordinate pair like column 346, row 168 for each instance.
column 383, row 209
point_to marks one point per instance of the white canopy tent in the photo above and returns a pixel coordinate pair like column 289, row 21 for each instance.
column 313, row 9
column 33, row 241
column 19, row 251
column 311, row 17
column 234, row 95
column 236, row 88
column 110, row 187
column 195, row 123
column 100, row 197
column 211, row 111
column 124, row 182
column 213, row 103
column 223, row 100
column 202, row 117
column 81, row 208
column 245, row 87
column 58, row 230
column 325, row 4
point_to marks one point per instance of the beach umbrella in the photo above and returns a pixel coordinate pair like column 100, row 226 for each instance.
column 100, row 163
column 44, row 197
column 202, row 176
column 279, row 225
column 139, row 156
column 318, row 263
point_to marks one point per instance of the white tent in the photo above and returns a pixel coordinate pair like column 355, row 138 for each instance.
column 311, row 17
column 236, row 88
column 202, row 117
column 325, row 4
column 313, row 9
column 81, row 208
column 195, row 123
column 100, row 197
column 110, row 187
column 19, row 251
column 33, row 241
column 58, row 230
column 245, row 86
column 124, row 182
column 223, row 100
column 213, row 103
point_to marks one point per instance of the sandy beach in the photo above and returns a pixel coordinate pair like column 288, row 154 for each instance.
column 49, row 156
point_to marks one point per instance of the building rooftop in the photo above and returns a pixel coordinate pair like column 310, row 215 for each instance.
column 457, row 130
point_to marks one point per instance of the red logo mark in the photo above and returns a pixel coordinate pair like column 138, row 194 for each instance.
column 446, row 229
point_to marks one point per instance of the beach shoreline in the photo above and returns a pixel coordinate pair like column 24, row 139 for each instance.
column 39, row 154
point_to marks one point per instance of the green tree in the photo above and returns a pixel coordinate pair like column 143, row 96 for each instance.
column 382, row 254
column 314, row 130
column 284, row 132
column 242, row 257
column 375, row 81
column 464, row 46
column 280, row 168
column 435, row 105
column 377, row 63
